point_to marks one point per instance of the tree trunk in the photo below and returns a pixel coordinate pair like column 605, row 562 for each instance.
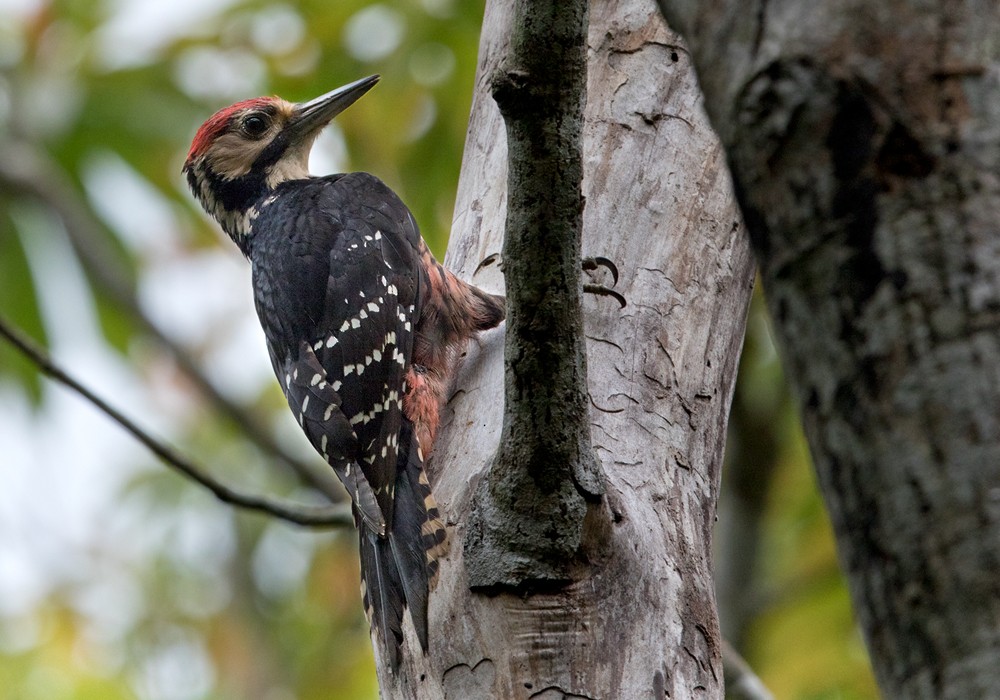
column 864, row 143
column 638, row 619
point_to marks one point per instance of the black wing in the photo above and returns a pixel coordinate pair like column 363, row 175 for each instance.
column 338, row 296
column 338, row 281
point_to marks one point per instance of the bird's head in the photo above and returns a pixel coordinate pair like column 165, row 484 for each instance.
column 247, row 149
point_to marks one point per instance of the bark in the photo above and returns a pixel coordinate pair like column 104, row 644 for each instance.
column 864, row 144
column 638, row 618
column 531, row 505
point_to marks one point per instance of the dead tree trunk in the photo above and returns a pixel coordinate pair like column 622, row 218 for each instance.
column 638, row 618
column 864, row 142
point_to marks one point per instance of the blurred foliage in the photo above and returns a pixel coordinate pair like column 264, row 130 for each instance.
column 173, row 596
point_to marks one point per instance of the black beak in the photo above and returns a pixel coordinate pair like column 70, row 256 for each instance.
column 309, row 117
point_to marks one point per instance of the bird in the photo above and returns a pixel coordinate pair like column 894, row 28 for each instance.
column 362, row 324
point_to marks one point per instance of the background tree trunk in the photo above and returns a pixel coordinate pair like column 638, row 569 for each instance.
column 864, row 143
column 639, row 618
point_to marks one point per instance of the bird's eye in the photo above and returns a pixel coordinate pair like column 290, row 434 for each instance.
column 254, row 125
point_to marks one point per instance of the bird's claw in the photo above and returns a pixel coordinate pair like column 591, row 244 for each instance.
column 603, row 291
column 588, row 265
column 591, row 264
column 487, row 261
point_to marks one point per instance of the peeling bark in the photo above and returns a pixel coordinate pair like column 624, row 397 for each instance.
column 637, row 618
column 865, row 149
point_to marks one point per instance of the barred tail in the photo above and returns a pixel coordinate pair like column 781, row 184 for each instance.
column 398, row 571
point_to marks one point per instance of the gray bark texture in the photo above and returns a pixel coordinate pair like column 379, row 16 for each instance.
column 864, row 141
column 637, row 618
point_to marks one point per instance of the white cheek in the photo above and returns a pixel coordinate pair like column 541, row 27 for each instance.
column 233, row 156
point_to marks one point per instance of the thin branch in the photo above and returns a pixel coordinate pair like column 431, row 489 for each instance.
column 336, row 516
column 27, row 169
column 535, row 496
column 741, row 682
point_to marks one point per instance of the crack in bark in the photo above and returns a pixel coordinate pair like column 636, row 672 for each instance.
column 462, row 681
column 554, row 692
column 601, row 408
column 606, row 341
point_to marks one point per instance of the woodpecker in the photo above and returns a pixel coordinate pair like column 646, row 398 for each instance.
column 362, row 325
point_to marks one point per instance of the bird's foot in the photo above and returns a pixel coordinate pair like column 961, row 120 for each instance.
column 591, row 265
column 489, row 260
column 588, row 265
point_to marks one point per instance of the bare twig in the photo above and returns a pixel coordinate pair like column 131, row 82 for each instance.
column 336, row 516
column 741, row 682
column 532, row 503
column 27, row 169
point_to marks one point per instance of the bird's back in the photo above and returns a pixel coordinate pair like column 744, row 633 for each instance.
column 337, row 280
